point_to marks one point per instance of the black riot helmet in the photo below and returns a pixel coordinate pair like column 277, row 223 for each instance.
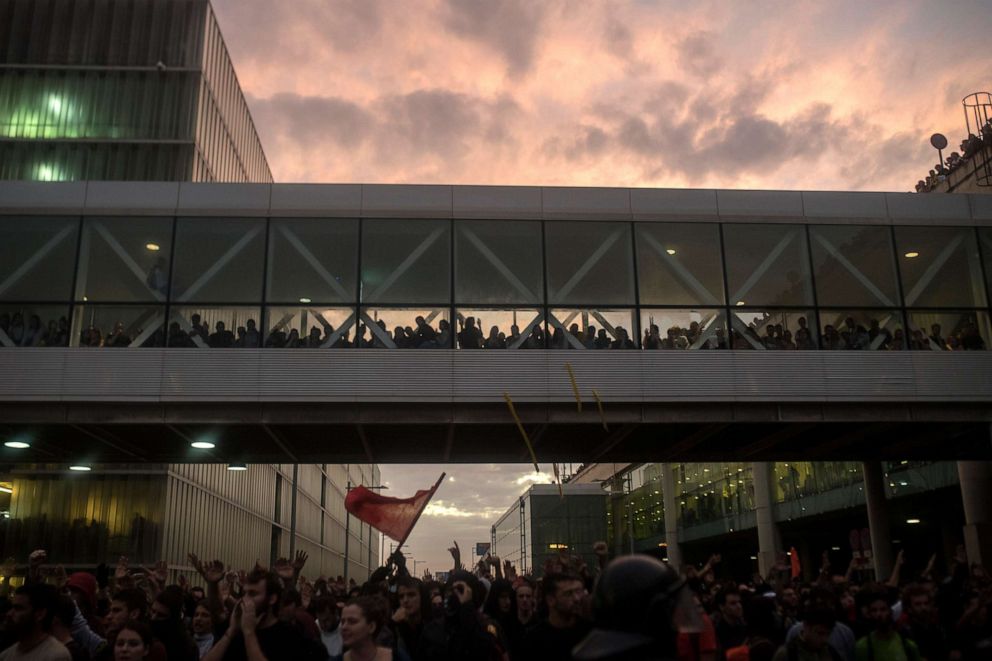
column 639, row 606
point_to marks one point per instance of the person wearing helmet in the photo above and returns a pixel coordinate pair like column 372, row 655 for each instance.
column 639, row 606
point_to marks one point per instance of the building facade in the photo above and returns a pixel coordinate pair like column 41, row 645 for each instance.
column 167, row 511
column 543, row 522
column 142, row 90
column 751, row 512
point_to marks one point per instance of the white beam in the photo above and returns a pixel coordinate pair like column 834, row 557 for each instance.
column 746, row 333
column 525, row 332
column 861, row 277
column 574, row 341
column 36, row 257
column 315, row 263
column 129, row 262
column 410, row 260
column 933, row 269
column 674, row 265
column 336, row 335
column 763, row 267
column 209, row 274
column 583, row 270
column 498, row 264
column 155, row 324
column 378, row 332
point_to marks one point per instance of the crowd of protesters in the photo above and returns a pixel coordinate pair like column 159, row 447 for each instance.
column 759, row 334
column 624, row 609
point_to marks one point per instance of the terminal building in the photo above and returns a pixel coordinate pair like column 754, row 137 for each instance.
column 141, row 90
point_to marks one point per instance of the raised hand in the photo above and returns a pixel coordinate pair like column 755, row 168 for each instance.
column 212, row 572
column 509, row 571
column 299, row 561
column 160, row 570
column 121, row 571
column 456, row 555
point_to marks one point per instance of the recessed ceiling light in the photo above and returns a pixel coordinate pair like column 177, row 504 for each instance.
column 304, row 300
column 739, row 303
column 912, row 520
column 203, row 445
column 237, row 467
column 154, row 247
column 671, row 251
column 911, row 254
column 17, row 445
column 834, row 548
column 81, row 468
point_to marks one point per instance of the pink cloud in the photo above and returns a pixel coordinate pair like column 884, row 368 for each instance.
column 770, row 94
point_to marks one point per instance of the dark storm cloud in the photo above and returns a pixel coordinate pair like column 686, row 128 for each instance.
column 509, row 27
column 308, row 120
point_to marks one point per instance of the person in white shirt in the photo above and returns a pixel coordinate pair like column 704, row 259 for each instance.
column 30, row 618
column 328, row 622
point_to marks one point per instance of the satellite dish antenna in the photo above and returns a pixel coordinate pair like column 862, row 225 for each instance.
column 938, row 142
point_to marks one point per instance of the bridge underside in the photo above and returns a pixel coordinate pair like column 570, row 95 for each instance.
column 88, row 432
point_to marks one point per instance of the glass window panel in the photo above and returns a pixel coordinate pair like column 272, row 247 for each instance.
column 214, row 327
column 124, row 259
column 985, row 238
column 391, row 328
column 940, row 267
column 119, row 326
column 493, row 328
column 589, row 263
column 308, row 327
column 949, row 330
column 854, row 265
column 767, row 265
column 37, row 255
column 684, row 329
column 34, row 325
column 406, row 261
column 588, row 328
column 498, row 262
column 772, row 329
column 873, row 330
column 312, row 259
column 679, row 264
column 218, row 259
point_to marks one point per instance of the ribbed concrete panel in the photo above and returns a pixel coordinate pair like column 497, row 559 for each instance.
column 117, row 374
column 614, row 374
column 237, row 375
column 201, row 375
column 778, row 376
column 373, row 375
column 686, row 376
column 940, row 376
column 868, row 376
column 32, row 373
column 483, row 376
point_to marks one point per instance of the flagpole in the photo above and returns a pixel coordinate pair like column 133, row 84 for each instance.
column 422, row 508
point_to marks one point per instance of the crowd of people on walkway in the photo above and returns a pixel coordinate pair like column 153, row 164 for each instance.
column 970, row 154
column 633, row 607
column 760, row 334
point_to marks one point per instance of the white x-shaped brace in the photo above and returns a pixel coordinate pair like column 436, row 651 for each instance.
column 220, row 264
column 125, row 257
column 35, row 259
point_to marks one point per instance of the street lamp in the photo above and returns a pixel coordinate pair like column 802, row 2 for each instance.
column 347, row 529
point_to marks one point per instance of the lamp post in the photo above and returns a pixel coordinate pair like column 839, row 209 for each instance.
column 347, row 528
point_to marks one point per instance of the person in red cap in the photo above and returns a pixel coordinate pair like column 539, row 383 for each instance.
column 82, row 587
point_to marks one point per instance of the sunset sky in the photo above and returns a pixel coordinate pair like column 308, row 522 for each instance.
column 791, row 94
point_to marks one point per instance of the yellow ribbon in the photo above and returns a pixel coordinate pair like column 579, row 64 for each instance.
column 599, row 405
column 523, row 432
column 575, row 386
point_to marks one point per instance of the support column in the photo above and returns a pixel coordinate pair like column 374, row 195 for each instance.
column 976, row 495
column 878, row 519
column 671, row 516
column 769, row 542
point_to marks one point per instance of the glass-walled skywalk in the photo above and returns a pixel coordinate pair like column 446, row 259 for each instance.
column 216, row 282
